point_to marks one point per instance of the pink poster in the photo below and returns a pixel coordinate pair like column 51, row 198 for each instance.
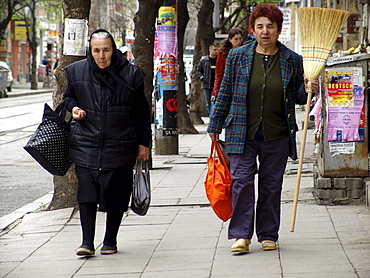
column 167, row 40
column 344, row 118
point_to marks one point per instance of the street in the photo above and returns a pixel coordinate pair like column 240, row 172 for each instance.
column 22, row 179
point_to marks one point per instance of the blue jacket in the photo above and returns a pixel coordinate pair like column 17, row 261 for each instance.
column 230, row 107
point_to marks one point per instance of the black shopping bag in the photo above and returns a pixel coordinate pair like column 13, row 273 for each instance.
column 49, row 144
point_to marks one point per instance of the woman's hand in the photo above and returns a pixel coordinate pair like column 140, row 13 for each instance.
column 214, row 136
column 78, row 113
column 213, row 98
column 143, row 153
column 311, row 86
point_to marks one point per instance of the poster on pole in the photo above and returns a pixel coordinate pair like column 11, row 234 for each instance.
column 170, row 110
column 75, row 37
column 167, row 40
column 166, row 66
column 169, row 71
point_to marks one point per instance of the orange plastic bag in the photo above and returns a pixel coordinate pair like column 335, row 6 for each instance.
column 218, row 183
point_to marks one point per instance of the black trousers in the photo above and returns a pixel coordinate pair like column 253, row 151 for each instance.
column 111, row 190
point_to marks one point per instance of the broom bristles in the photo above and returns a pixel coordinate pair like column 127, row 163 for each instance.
column 319, row 28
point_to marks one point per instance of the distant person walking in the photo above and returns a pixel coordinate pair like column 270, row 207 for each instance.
column 233, row 40
column 206, row 73
column 46, row 63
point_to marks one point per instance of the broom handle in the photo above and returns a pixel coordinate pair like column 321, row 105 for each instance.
column 298, row 181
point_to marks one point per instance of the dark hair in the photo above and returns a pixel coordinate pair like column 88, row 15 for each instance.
column 212, row 44
column 273, row 13
column 226, row 45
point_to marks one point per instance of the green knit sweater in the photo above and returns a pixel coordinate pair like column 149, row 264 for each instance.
column 266, row 100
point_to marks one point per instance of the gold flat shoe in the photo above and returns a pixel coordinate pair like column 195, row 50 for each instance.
column 268, row 245
column 240, row 245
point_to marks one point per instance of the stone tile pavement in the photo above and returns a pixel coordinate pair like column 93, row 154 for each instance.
column 181, row 236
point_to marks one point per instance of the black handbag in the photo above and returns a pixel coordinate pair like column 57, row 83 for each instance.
column 49, row 144
column 141, row 195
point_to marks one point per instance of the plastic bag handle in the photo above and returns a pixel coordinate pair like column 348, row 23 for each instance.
column 142, row 165
column 215, row 149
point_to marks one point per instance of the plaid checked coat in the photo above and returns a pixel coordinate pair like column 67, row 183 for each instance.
column 231, row 104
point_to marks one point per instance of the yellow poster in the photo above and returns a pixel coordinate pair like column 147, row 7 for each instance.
column 20, row 30
column 339, row 87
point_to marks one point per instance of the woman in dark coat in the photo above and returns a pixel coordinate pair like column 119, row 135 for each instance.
column 109, row 132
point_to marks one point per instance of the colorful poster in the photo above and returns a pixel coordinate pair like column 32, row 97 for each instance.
column 165, row 64
column 345, row 102
column 166, row 15
column 156, row 52
column 168, row 70
column 339, row 88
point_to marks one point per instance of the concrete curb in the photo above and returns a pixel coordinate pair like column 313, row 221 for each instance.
column 31, row 92
column 9, row 219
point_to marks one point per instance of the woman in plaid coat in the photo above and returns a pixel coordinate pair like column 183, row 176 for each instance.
column 263, row 81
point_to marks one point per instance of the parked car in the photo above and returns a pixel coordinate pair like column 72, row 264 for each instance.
column 10, row 75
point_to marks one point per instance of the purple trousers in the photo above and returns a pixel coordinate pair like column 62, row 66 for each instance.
column 272, row 158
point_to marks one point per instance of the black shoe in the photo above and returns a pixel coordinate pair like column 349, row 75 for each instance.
column 85, row 250
column 108, row 249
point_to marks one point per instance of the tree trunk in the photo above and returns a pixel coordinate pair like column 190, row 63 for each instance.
column 184, row 123
column 33, row 44
column 143, row 51
column 204, row 38
column 65, row 187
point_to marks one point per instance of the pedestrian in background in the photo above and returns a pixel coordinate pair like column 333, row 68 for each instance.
column 124, row 50
column 55, row 64
column 256, row 103
column 110, row 130
column 46, row 63
column 234, row 39
column 206, row 73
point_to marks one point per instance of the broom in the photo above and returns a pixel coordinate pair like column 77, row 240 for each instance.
column 319, row 28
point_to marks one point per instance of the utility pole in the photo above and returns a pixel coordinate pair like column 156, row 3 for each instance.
column 166, row 129
column 33, row 44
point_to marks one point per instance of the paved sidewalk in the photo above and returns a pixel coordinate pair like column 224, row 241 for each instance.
column 24, row 89
column 181, row 236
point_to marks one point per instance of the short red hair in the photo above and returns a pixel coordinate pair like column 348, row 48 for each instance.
column 273, row 13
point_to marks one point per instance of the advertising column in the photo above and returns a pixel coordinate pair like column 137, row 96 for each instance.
column 166, row 131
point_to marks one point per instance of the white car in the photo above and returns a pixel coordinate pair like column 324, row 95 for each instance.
column 10, row 75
